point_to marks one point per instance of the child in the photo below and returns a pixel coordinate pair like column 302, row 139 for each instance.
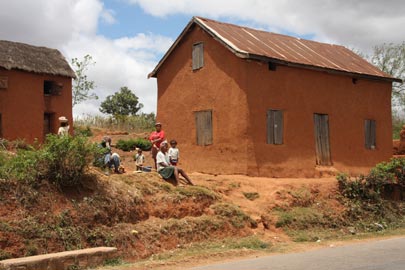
column 173, row 153
column 139, row 159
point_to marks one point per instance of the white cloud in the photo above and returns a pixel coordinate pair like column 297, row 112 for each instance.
column 120, row 62
column 353, row 23
column 71, row 27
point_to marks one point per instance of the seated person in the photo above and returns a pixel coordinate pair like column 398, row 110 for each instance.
column 108, row 159
column 168, row 172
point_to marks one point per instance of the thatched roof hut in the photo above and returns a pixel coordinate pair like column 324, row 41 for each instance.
column 15, row 55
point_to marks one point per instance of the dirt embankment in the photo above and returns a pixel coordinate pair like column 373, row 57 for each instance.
column 141, row 214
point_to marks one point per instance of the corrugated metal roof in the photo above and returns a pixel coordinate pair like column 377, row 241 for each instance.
column 256, row 44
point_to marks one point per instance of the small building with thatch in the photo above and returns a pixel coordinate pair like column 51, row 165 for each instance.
column 35, row 90
column 245, row 101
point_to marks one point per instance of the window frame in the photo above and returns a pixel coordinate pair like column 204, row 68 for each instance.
column 197, row 56
column 52, row 88
column 370, row 134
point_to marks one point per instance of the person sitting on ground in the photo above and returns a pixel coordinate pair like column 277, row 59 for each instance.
column 168, row 172
column 64, row 126
column 109, row 159
column 173, row 153
column 139, row 159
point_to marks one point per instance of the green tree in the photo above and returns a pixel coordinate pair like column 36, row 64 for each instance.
column 122, row 103
column 81, row 85
column 390, row 58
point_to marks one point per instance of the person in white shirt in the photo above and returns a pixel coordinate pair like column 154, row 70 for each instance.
column 168, row 172
column 173, row 153
column 64, row 126
column 139, row 159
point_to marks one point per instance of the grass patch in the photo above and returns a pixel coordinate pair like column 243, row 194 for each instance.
column 234, row 214
column 251, row 195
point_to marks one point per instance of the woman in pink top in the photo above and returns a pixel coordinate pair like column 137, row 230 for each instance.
column 156, row 138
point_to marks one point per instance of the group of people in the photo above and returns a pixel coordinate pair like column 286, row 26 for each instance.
column 165, row 158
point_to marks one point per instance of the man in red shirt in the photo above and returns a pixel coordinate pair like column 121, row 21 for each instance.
column 156, row 138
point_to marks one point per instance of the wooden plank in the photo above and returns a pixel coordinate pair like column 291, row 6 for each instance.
column 322, row 146
column 270, row 127
column 325, row 141
column 317, row 138
column 373, row 140
column 203, row 120
column 367, row 134
column 278, row 127
column 198, row 56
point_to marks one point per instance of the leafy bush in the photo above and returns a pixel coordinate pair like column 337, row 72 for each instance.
column 83, row 131
column 372, row 186
column 61, row 160
column 144, row 144
column 66, row 158
column 25, row 166
column 131, row 144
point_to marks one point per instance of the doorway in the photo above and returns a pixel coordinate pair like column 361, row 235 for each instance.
column 47, row 123
column 321, row 125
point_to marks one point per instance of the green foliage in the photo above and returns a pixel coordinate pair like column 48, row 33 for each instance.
column 114, row 262
column 300, row 218
column 122, row 103
column 390, row 58
column 26, row 165
column 397, row 123
column 131, row 144
column 66, row 158
column 81, row 84
column 236, row 216
column 83, row 131
column 372, row 186
column 4, row 255
column 61, row 160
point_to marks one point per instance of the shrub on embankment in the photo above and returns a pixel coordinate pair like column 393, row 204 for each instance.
column 367, row 203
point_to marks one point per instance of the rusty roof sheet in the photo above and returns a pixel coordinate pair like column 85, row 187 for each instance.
column 261, row 45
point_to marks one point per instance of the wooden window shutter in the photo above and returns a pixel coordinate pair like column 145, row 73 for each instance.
column 370, row 133
column 198, row 56
column 203, row 121
column 275, row 127
column 3, row 82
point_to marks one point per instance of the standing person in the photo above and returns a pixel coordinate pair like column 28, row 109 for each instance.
column 173, row 153
column 139, row 159
column 168, row 172
column 64, row 126
column 156, row 138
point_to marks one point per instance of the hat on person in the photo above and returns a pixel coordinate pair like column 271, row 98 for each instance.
column 63, row 119
column 106, row 139
column 158, row 124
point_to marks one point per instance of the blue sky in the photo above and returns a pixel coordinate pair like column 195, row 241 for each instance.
column 127, row 38
column 131, row 20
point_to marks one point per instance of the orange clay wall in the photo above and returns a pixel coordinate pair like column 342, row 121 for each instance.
column 300, row 93
column 239, row 92
column 23, row 104
column 217, row 87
